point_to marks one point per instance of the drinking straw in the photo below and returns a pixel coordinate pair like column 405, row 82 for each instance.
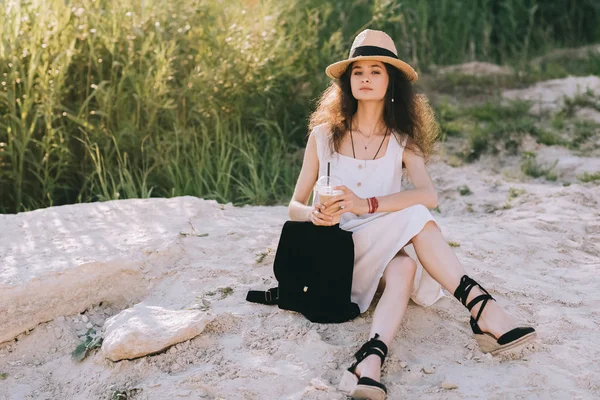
column 328, row 170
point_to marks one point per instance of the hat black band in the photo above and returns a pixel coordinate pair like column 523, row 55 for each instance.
column 372, row 51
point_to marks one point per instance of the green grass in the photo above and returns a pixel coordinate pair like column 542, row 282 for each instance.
column 464, row 190
column 109, row 100
column 490, row 127
column 589, row 177
column 587, row 99
column 531, row 167
column 125, row 394
column 514, row 193
column 494, row 126
column 92, row 341
column 582, row 132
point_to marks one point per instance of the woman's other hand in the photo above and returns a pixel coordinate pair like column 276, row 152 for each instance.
column 319, row 217
column 346, row 202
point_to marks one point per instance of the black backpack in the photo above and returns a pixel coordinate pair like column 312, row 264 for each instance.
column 313, row 266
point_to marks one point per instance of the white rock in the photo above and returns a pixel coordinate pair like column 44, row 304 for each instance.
column 448, row 385
column 403, row 364
column 85, row 318
column 549, row 95
column 477, row 68
column 89, row 325
column 428, row 370
column 318, row 384
column 144, row 329
column 58, row 333
column 589, row 114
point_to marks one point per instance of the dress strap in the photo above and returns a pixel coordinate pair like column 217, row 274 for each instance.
column 322, row 138
column 405, row 140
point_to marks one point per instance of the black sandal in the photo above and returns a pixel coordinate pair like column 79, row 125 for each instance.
column 488, row 343
column 365, row 388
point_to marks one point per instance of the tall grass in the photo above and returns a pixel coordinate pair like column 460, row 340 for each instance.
column 105, row 99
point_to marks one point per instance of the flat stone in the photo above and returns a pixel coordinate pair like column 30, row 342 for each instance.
column 448, row 385
column 319, row 384
column 550, row 95
column 477, row 68
column 144, row 329
column 428, row 370
column 58, row 333
column 86, row 254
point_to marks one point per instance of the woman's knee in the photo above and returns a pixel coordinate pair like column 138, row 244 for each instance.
column 400, row 269
column 428, row 227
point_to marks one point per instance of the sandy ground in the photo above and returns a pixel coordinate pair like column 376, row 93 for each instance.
column 539, row 255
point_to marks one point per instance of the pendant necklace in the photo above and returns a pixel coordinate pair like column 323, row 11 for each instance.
column 352, row 141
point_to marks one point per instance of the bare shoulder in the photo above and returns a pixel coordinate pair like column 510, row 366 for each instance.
column 408, row 153
column 319, row 130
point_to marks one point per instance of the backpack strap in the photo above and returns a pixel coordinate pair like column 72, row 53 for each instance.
column 269, row 297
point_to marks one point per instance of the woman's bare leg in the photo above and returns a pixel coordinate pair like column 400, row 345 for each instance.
column 441, row 263
column 397, row 283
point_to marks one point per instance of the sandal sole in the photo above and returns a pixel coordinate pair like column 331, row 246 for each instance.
column 348, row 382
column 363, row 392
column 488, row 344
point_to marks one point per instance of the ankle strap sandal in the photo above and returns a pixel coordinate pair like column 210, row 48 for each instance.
column 365, row 388
column 488, row 342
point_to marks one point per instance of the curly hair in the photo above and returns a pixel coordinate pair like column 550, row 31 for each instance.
column 409, row 115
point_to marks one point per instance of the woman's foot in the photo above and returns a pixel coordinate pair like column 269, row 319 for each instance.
column 494, row 329
column 361, row 380
column 370, row 367
column 493, row 319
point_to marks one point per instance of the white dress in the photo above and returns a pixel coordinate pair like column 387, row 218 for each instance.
column 380, row 236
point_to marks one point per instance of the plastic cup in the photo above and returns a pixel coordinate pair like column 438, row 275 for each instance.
column 324, row 188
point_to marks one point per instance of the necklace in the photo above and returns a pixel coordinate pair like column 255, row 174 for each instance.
column 370, row 136
column 381, row 144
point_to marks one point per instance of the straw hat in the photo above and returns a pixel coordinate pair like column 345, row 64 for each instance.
column 372, row 45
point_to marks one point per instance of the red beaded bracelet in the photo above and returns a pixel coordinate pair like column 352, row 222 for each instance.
column 373, row 204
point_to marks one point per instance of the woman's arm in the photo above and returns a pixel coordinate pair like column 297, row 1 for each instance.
column 298, row 210
column 423, row 193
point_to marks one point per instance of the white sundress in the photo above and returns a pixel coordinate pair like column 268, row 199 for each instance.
column 380, row 236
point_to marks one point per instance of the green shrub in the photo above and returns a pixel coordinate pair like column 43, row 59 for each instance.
column 532, row 168
column 589, row 177
column 107, row 99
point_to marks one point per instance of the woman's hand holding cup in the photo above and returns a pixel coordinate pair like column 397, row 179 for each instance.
column 346, row 202
column 318, row 217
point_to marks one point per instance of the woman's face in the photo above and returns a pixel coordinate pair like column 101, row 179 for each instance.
column 368, row 80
